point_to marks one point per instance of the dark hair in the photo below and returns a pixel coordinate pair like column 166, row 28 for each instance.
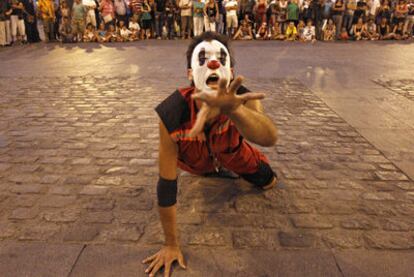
column 208, row 36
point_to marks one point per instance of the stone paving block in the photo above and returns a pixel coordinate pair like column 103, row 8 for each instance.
column 366, row 263
column 275, row 263
column 37, row 259
column 112, row 261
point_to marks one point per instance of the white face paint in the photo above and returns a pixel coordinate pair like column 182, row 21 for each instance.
column 210, row 62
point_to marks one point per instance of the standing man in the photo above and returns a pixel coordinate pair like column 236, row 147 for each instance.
column 17, row 22
column 46, row 11
column 121, row 11
column 79, row 12
column 221, row 24
column 159, row 17
column 5, row 12
column 204, row 128
column 186, row 17
column 90, row 15
column 231, row 16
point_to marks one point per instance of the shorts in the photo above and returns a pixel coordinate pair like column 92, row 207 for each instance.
column 232, row 21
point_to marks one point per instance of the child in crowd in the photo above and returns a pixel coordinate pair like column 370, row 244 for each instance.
column 372, row 33
column 134, row 28
column 101, row 33
column 344, row 34
column 276, row 32
column 244, row 32
column 398, row 31
column 262, row 33
column 112, row 35
column 309, row 33
column 125, row 34
column 384, row 30
column 291, row 32
column 301, row 28
column 122, row 32
column 360, row 30
column 65, row 31
column 90, row 34
column 329, row 31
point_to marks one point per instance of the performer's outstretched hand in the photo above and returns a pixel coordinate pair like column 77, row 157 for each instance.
column 225, row 101
column 165, row 257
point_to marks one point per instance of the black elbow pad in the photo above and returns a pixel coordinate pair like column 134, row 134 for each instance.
column 166, row 192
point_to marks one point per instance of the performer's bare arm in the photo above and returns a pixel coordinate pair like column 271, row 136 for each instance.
column 170, row 252
column 253, row 124
column 244, row 110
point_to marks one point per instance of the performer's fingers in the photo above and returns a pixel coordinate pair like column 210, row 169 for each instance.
column 149, row 258
column 222, row 86
column 181, row 262
column 251, row 96
column 154, row 262
column 167, row 268
column 200, row 121
column 156, row 268
column 234, row 86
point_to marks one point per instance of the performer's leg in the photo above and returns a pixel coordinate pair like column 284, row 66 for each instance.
column 250, row 164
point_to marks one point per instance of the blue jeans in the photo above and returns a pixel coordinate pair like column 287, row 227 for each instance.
column 159, row 22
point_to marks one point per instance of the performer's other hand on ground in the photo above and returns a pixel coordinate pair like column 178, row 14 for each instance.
column 225, row 101
column 165, row 257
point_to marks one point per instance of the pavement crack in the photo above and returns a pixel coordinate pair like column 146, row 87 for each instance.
column 337, row 264
column 76, row 261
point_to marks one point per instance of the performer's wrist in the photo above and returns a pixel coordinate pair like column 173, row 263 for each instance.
column 171, row 243
column 233, row 112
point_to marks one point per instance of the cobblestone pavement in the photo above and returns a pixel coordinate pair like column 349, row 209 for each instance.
column 78, row 163
column 403, row 87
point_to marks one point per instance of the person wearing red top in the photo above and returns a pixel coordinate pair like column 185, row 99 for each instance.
column 204, row 129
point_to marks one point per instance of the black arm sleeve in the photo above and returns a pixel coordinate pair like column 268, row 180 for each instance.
column 166, row 192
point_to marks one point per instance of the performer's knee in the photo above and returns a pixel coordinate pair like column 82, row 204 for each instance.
column 263, row 178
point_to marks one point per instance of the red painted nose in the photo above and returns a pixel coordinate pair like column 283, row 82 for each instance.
column 213, row 64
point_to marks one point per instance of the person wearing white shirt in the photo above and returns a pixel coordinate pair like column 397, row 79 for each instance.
column 90, row 15
column 231, row 16
column 373, row 7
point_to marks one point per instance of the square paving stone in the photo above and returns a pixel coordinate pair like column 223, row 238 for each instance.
column 37, row 259
column 361, row 263
column 125, row 261
column 276, row 263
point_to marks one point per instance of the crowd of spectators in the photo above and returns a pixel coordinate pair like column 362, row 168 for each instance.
column 129, row 20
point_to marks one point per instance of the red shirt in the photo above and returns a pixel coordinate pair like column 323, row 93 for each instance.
column 220, row 145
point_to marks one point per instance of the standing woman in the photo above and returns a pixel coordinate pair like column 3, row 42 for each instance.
column 30, row 22
column 337, row 15
column 146, row 20
column 384, row 11
column 211, row 14
column 401, row 11
column 107, row 10
column 64, row 10
column 261, row 9
column 198, row 17
column 282, row 16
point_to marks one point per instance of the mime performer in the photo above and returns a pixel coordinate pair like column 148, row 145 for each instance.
column 203, row 130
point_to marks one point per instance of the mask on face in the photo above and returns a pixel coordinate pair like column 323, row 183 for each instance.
column 210, row 62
